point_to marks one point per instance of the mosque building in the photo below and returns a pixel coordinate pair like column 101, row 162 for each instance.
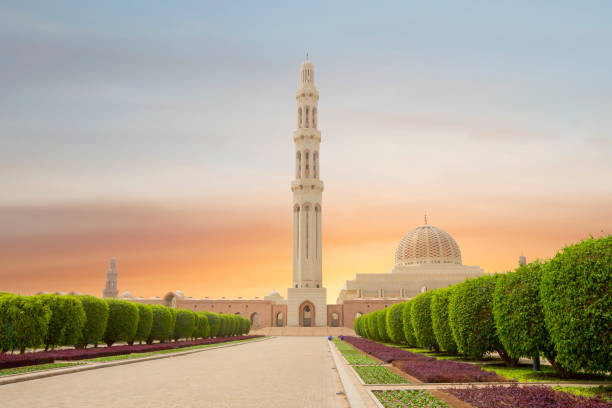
column 426, row 258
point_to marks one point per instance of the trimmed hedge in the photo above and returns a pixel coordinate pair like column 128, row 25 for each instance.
column 420, row 317
column 67, row 320
column 395, row 324
column 184, row 324
column 202, row 328
column 439, row 320
column 407, row 324
column 215, row 323
column 122, row 321
column 145, row 322
column 96, row 319
column 24, row 321
column 381, row 324
column 576, row 297
column 162, row 324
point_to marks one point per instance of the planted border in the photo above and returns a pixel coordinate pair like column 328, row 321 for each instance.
column 379, row 375
column 408, row 399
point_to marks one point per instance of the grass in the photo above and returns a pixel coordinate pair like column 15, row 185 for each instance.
column 408, row 399
column 169, row 351
column 605, row 392
column 525, row 373
column 40, row 367
column 379, row 375
column 352, row 355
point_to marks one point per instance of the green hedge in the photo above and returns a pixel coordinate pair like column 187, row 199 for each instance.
column 356, row 327
column 407, row 324
column 381, row 324
column 202, row 328
column 420, row 317
column 96, row 319
column 215, row 323
column 23, row 321
column 162, row 324
column 67, row 320
column 577, row 302
column 122, row 321
column 145, row 322
column 439, row 320
column 184, row 324
column 395, row 324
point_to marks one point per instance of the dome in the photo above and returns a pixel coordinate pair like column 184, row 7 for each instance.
column 274, row 293
column 127, row 294
column 427, row 244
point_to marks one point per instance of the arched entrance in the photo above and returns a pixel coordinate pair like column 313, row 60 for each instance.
column 279, row 319
column 307, row 314
column 335, row 320
column 255, row 320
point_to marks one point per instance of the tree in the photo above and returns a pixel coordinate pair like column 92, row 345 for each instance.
column 67, row 320
column 24, row 322
column 471, row 318
column 407, row 324
column 439, row 320
column 122, row 321
column 184, row 325
column 215, row 323
column 162, row 324
column 202, row 327
column 576, row 295
column 420, row 317
column 395, row 324
column 381, row 325
column 96, row 319
column 145, row 322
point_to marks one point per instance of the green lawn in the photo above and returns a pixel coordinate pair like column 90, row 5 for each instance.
column 352, row 355
column 525, row 373
column 379, row 375
column 169, row 351
column 40, row 367
column 604, row 391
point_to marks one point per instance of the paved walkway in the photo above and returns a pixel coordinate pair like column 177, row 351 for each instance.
column 282, row 372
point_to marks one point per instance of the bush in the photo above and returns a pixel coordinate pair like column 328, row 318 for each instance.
column 356, row 326
column 215, row 323
column 471, row 318
column 370, row 326
column 439, row 320
column 162, row 324
column 170, row 334
column 577, row 301
column 24, row 321
column 420, row 317
column 381, row 325
column 246, row 326
column 67, row 320
column 202, row 328
column 407, row 324
column 122, row 321
column 145, row 322
column 394, row 323
column 96, row 313
column 184, row 325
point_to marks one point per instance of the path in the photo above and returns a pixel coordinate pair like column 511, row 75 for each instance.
column 280, row 372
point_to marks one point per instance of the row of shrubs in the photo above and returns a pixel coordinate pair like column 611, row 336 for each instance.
column 560, row 309
column 29, row 322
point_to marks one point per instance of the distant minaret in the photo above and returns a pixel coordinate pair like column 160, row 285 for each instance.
column 111, row 291
column 522, row 260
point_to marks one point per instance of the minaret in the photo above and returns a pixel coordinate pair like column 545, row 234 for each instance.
column 111, row 291
column 306, row 186
column 306, row 299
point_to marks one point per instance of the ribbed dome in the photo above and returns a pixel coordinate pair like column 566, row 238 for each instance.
column 427, row 244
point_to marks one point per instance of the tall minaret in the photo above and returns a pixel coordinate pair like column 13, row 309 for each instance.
column 306, row 298
column 111, row 291
column 306, row 186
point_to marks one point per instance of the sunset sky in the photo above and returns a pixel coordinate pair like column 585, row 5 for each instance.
column 160, row 133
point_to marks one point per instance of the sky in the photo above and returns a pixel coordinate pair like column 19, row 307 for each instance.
column 160, row 133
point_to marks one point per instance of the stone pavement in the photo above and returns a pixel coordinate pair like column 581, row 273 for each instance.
column 287, row 372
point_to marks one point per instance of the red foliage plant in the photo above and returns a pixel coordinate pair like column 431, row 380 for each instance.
column 41, row 357
column 424, row 368
column 536, row 396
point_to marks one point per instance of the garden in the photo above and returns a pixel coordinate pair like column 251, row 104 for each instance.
column 555, row 313
column 46, row 328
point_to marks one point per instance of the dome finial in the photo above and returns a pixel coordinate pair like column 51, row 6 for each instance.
column 425, row 217
column 306, row 55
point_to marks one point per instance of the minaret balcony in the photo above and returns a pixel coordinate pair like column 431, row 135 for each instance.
column 307, row 134
column 307, row 184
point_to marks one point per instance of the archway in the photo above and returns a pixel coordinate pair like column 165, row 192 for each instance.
column 307, row 314
column 255, row 320
column 335, row 319
column 279, row 319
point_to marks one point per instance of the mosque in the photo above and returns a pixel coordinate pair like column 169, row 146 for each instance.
column 426, row 258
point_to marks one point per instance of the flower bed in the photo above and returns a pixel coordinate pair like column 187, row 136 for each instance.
column 352, row 355
column 379, row 375
column 43, row 357
column 531, row 396
column 408, row 399
column 426, row 369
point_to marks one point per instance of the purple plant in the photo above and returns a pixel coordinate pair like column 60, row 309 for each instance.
column 528, row 396
column 424, row 368
column 41, row 357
